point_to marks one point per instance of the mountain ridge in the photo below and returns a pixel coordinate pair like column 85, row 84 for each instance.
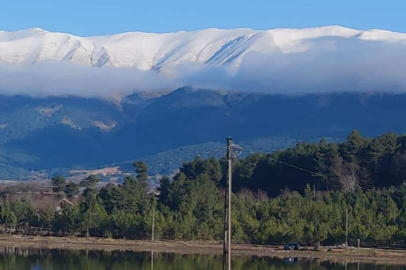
column 47, row 134
column 155, row 51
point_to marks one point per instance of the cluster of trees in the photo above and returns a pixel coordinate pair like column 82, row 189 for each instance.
column 71, row 189
column 308, row 193
column 366, row 162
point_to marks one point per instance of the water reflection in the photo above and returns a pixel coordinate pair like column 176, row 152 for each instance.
column 12, row 258
column 291, row 260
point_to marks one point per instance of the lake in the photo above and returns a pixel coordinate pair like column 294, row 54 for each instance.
column 44, row 259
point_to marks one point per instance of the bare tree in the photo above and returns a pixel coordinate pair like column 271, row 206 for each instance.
column 347, row 174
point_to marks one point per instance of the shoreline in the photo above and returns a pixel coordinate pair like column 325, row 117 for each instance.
column 351, row 255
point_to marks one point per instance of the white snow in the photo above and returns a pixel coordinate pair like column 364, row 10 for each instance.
column 149, row 51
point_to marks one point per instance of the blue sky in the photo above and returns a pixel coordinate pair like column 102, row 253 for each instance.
column 91, row 17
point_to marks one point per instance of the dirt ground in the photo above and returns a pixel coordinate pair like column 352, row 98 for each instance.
column 362, row 255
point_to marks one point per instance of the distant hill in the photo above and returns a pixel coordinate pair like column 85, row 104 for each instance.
column 48, row 134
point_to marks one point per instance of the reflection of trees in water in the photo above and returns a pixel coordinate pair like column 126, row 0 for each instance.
column 12, row 257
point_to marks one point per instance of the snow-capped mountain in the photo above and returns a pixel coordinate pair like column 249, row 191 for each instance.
column 149, row 51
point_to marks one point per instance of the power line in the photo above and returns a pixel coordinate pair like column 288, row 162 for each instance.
column 190, row 157
column 170, row 161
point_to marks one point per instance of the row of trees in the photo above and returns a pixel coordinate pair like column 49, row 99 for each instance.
column 320, row 198
column 192, row 209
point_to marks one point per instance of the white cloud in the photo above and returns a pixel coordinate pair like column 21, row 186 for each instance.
column 330, row 65
column 53, row 78
column 334, row 65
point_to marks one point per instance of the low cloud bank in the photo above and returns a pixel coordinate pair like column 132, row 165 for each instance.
column 52, row 78
column 329, row 65
column 332, row 65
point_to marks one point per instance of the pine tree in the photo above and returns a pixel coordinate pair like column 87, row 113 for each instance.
column 141, row 170
column 71, row 189
column 112, row 197
column 58, row 183
column 164, row 190
column 90, row 181
column 351, row 146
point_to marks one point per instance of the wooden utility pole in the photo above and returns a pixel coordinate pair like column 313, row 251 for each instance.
column 153, row 235
column 153, row 224
column 227, row 210
column 314, row 190
column 346, row 228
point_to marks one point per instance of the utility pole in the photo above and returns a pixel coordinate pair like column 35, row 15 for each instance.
column 153, row 235
column 314, row 190
column 227, row 210
column 152, row 260
column 346, row 228
column 153, row 224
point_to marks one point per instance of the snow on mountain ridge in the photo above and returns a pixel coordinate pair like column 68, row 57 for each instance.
column 150, row 51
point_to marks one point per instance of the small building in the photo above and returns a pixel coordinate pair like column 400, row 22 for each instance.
column 62, row 202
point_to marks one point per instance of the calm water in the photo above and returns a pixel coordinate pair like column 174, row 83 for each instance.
column 35, row 259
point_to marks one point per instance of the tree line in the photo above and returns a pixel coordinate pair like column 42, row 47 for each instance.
column 308, row 193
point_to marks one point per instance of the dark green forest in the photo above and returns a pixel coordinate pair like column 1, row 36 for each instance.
column 305, row 193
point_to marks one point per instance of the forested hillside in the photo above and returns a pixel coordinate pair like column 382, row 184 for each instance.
column 356, row 162
column 306, row 193
column 60, row 133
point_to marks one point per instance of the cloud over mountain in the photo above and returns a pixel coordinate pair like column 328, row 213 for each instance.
column 52, row 78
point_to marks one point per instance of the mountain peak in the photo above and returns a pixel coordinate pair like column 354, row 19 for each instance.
column 34, row 31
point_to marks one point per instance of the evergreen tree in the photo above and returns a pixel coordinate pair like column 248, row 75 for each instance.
column 47, row 218
column 112, row 197
column 58, row 183
column 164, row 189
column 141, row 170
column 351, row 147
column 71, row 189
column 90, row 181
column 95, row 217
column 8, row 217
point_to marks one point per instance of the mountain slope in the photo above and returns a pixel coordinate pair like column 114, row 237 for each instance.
column 148, row 51
column 48, row 133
